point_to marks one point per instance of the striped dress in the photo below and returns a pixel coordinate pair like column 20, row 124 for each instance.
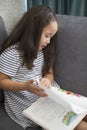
column 16, row 102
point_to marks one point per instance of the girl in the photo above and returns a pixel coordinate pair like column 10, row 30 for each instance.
column 28, row 54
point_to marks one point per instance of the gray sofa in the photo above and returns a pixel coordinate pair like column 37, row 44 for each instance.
column 71, row 58
column 70, row 67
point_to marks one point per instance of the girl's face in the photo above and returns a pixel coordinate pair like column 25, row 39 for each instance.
column 47, row 33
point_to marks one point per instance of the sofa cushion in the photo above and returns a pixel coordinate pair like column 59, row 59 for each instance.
column 3, row 32
column 3, row 36
column 71, row 59
column 1, row 95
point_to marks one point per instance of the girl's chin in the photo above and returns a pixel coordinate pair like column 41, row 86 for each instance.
column 41, row 48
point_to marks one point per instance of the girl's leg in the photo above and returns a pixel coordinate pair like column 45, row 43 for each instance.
column 85, row 119
column 81, row 126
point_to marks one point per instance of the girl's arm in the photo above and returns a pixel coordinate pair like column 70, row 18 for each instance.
column 7, row 84
column 50, row 75
column 48, row 78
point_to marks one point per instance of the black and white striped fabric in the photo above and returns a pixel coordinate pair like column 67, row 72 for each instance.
column 16, row 102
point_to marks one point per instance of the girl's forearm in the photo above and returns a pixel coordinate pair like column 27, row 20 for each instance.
column 10, row 85
column 49, row 76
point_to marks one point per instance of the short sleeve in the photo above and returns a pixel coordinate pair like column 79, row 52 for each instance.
column 9, row 62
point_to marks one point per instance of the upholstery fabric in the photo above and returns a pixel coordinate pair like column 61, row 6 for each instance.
column 71, row 58
column 3, row 32
column 3, row 35
column 1, row 96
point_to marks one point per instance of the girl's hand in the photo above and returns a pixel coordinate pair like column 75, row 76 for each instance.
column 35, row 89
column 45, row 82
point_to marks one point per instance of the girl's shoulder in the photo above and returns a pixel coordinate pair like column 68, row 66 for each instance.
column 11, row 52
column 12, row 48
column 9, row 61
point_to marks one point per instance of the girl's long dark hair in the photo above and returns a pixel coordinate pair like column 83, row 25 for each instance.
column 27, row 33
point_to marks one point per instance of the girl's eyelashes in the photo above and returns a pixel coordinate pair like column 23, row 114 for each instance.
column 47, row 36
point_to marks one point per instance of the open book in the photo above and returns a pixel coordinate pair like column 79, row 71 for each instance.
column 60, row 110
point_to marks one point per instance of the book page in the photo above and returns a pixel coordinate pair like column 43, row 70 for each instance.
column 58, row 110
column 45, row 110
column 62, row 98
column 73, row 97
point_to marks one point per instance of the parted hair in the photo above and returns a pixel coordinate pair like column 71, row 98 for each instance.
column 27, row 33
